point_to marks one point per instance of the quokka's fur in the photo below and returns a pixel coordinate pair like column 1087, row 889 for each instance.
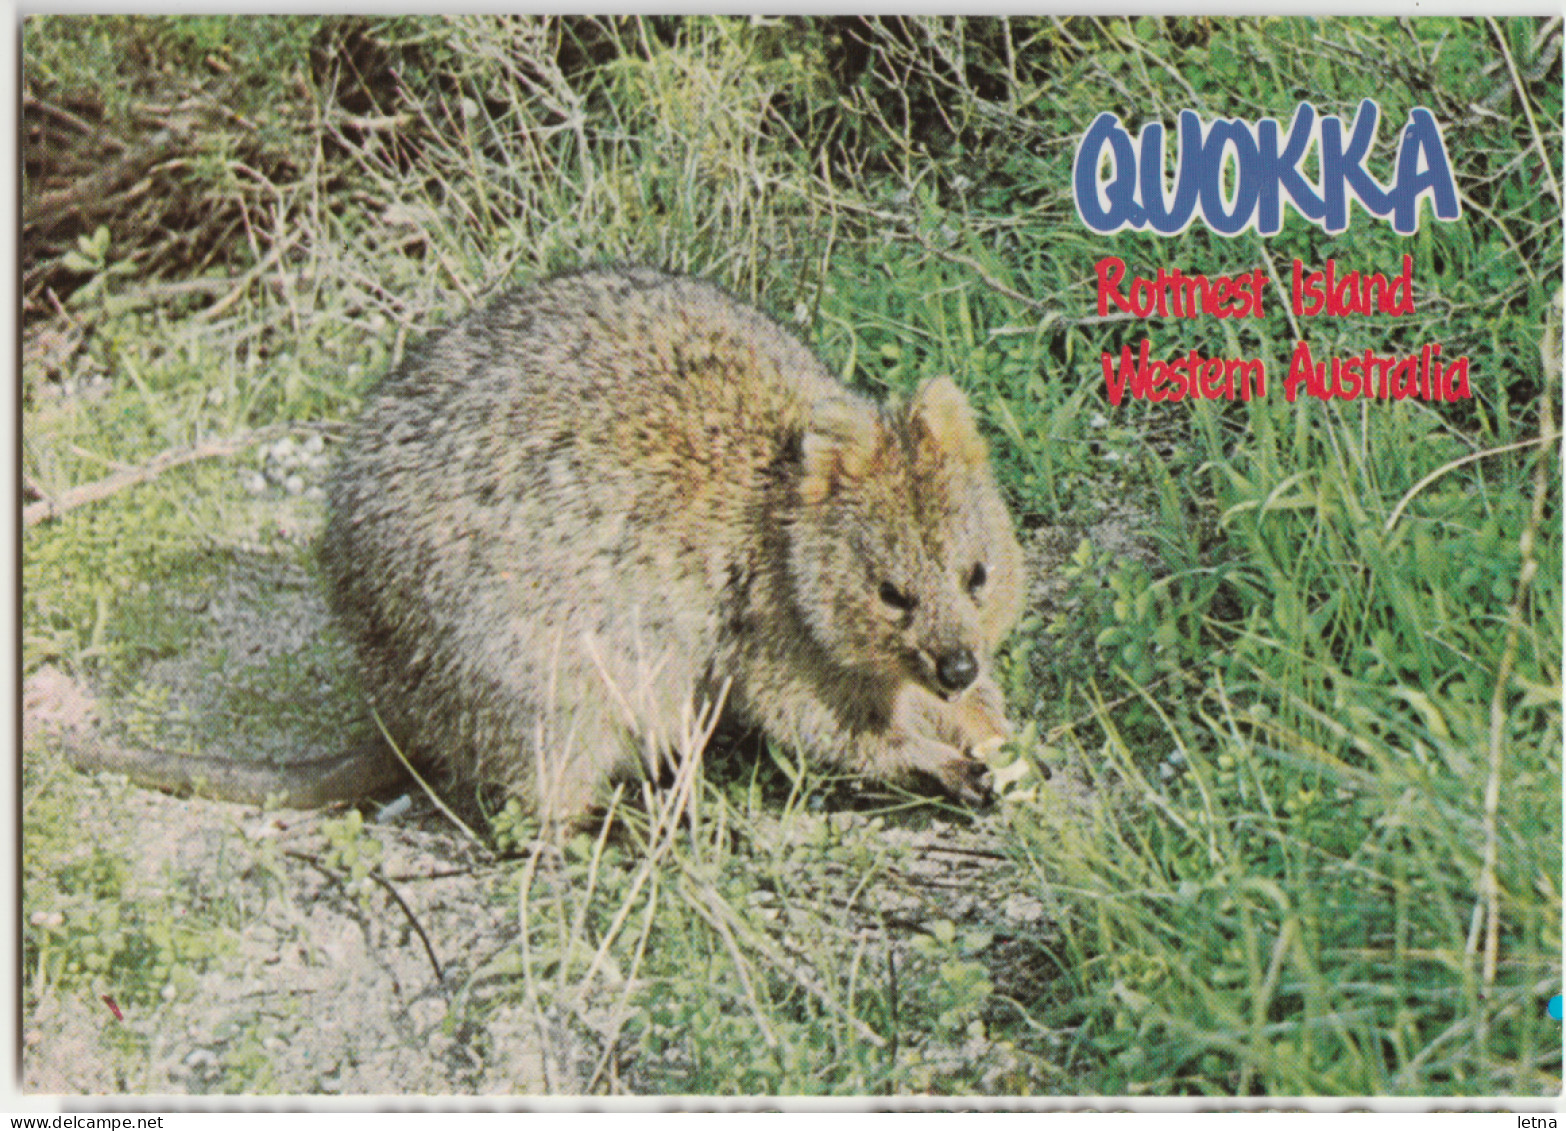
column 582, row 513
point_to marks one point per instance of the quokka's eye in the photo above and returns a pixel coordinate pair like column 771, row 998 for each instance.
column 897, row 599
column 977, row 576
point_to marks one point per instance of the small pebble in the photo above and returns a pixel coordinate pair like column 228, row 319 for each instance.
column 394, row 809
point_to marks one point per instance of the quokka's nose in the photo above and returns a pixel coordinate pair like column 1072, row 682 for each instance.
column 956, row 669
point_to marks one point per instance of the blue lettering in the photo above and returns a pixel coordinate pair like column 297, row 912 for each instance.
column 1225, row 133
column 1133, row 194
column 1422, row 139
column 1343, row 170
column 1123, row 210
column 1168, row 218
column 1275, row 171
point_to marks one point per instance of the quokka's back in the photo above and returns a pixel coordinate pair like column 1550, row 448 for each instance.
column 576, row 517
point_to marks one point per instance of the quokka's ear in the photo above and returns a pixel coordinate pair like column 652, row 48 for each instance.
column 840, row 446
column 941, row 424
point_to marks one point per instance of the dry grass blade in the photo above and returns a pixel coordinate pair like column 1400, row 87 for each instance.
column 109, row 486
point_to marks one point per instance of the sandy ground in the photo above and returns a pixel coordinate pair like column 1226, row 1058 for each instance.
column 322, row 987
column 317, row 990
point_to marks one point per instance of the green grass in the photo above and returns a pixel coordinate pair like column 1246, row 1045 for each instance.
column 1324, row 733
column 89, row 924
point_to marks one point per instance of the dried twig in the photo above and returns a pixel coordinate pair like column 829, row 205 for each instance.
column 101, row 489
column 89, row 192
column 1527, row 107
column 72, row 121
column 1549, row 436
column 435, row 798
column 386, row 886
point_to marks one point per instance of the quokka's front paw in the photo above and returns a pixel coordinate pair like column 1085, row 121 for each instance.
column 973, row 722
column 977, row 719
column 962, row 777
column 967, row 780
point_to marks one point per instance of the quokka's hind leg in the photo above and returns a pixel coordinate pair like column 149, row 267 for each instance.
column 572, row 757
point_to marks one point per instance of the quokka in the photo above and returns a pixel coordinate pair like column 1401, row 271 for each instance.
column 600, row 504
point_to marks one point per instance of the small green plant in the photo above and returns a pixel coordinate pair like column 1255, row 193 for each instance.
column 91, row 258
column 962, row 985
column 352, row 851
column 88, row 930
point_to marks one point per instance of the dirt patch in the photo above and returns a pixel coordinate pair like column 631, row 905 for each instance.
column 319, row 986
column 321, row 980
